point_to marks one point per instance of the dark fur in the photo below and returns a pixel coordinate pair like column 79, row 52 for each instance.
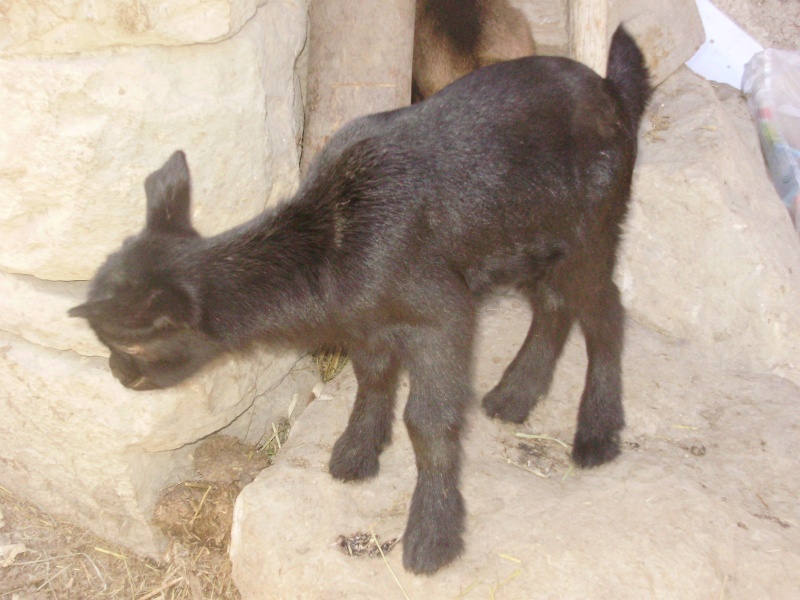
column 457, row 20
column 516, row 174
column 455, row 37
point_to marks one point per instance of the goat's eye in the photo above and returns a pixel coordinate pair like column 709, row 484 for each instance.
column 134, row 349
column 163, row 322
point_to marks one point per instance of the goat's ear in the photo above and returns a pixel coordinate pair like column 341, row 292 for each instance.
column 107, row 309
column 168, row 192
column 88, row 310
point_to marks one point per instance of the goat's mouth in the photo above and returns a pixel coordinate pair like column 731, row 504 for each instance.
column 129, row 373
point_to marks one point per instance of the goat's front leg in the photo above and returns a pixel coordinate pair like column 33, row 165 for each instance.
column 439, row 392
column 369, row 430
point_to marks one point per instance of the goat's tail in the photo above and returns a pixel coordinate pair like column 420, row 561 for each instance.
column 627, row 73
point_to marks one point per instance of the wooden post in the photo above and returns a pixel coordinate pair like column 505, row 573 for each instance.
column 359, row 62
column 589, row 33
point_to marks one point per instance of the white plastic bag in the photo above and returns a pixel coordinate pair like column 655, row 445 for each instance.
column 772, row 83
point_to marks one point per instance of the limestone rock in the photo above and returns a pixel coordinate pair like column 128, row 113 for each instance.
column 35, row 310
column 678, row 514
column 79, row 445
column 88, row 129
column 710, row 254
column 669, row 33
column 70, row 26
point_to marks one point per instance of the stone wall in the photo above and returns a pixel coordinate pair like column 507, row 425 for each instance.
column 669, row 33
column 96, row 96
column 54, row 27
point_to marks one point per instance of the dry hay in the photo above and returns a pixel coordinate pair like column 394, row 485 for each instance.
column 330, row 362
column 44, row 558
column 64, row 561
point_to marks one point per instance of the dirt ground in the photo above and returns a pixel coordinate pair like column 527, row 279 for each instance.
column 43, row 558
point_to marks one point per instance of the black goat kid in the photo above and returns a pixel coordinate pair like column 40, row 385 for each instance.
column 517, row 174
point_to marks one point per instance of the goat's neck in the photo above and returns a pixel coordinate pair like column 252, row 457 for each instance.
column 267, row 278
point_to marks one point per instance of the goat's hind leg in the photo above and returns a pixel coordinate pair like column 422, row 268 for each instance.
column 356, row 453
column 527, row 379
column 601, row 416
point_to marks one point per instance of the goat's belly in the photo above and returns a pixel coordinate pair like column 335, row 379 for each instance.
column 525, row 265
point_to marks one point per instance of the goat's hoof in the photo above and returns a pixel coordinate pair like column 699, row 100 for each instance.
column 350, row 462
column 427, row 547
column 590, row 452
column 506, row 407
column 435, row 522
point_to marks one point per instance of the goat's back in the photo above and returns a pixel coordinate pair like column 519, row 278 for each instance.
column 511, row 165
